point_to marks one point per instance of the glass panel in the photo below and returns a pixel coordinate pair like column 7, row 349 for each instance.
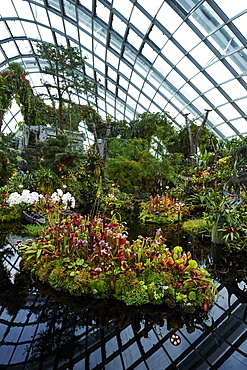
column 186, row 37
column 188, row 92
column 172, row 52
column 151, row 9
column 215, row 97
column 133, row 91
column 175, row 79
column 177, row 103
column 200, row 104
column 102, row 12
column 240, row 125
column 242, row 103
column 139, row 20
column 219, row 72
column 99, row 33
column 40, row 15
column 228, row 111
column 158, row 37
column 8, row 10
column 112, row 59
column 136, row 80
column 118, row 25
column 229, row 9
column 149, row 90
column 225, row 41
column 112, row 74
column 148, row 52
column 226, row 130
column 169, row 18
column 99, row 64
column 10, row 49
column 140, row 109
column 170, row 109
column 56, row 21
column 4, row 33
column 166, row 90
column 46, row 34
column 128, row 55
column 131, row 103
column 124, row 10
column 69, row 9
column 71, row 30
column 121, row 94
column 23, row 46
column 234, row 89
column 240, row 23
column 187, row 67
column 163, row 67
column 111, row 86
column 206, row 19
column 84, row 20
column 187, row 4
column 2, row 58
column 61, row 40
column 124, row 69
column 238, row 61
column 203, row 55
column 86, row 40
column 153, row 108
column 141, row 67
column 123, row 83
column 154, row 79
column 32, row 30
column 159, row 100
column 134, row 39
column 115, row 43
column 23, row 10
column 54, row 4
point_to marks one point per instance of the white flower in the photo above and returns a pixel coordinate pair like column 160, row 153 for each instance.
column 60, row 192
column 25, row 197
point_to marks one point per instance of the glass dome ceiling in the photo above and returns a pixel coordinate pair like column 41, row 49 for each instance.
column 180, row 56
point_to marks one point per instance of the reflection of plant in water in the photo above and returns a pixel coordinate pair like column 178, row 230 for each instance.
column 12, row 294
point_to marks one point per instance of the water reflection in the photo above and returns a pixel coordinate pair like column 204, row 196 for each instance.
column 44, row 329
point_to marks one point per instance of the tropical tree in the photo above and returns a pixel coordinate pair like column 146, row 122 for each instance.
column 66, row 67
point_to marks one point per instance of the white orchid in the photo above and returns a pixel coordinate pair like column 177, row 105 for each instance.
column 25, row 197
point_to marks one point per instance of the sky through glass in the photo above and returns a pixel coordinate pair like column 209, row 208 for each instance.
column 180, row 56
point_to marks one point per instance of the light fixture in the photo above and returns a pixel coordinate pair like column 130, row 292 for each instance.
column 175, row 339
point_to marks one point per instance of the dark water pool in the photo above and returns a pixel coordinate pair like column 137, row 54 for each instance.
column 40, row 329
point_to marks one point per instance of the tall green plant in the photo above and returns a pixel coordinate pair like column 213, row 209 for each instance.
column 66, row 67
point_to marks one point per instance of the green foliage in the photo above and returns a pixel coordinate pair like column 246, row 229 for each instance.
column 8, row 214
column 9, row 157
column 181, row 143
column 59, row 156
column 162, row 209
column 46, row 181
column 66, row 66
column 93, row 256
column 196, row 227
column 134, row 168
column 116, row 202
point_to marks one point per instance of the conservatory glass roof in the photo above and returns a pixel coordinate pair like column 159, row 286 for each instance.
column 179, row 56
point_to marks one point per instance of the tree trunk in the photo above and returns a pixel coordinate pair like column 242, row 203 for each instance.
column 194, row 143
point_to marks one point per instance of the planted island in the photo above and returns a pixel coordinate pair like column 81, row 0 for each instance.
column 94, row 256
